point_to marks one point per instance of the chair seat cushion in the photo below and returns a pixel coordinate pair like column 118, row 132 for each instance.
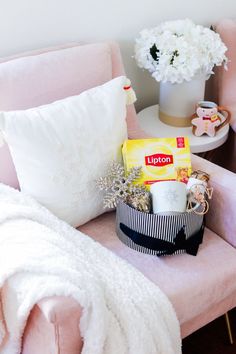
column 193, row 284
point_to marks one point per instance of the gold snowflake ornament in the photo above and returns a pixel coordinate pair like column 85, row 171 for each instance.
column 120, row 187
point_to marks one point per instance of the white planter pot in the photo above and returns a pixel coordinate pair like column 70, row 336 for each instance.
column 177, row 102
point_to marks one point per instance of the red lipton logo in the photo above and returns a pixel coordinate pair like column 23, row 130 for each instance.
column 158, row 160
column 180, row 142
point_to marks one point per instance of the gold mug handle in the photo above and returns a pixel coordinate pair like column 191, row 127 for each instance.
column 227, row 120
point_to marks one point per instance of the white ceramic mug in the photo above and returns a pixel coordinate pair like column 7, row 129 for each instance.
column 168, row 196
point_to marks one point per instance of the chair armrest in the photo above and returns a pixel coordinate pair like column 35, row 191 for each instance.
column 59, row 309
column 58, row 318
column 221, row 217
column 3, row 328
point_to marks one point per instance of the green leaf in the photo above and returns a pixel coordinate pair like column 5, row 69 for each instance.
column 154, row 52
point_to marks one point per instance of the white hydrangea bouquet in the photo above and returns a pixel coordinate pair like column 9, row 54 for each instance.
column 176, row 51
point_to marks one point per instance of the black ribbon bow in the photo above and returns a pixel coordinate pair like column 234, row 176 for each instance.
column 180, row 242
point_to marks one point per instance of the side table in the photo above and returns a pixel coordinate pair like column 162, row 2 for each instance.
column 149, row 121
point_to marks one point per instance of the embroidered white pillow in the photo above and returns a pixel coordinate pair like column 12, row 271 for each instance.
column 60, row 149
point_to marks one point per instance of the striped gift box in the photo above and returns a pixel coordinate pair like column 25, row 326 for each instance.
column 159, row 234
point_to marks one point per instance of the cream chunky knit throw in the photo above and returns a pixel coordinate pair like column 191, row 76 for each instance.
column 124, row 313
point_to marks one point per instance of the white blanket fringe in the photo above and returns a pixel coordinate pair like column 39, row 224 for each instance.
column 124, row 313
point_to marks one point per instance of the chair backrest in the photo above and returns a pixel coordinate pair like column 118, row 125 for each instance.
column 44, row 76
column 226, row 79
column 226, row 87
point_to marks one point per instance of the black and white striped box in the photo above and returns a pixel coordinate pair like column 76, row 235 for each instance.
column 159, row 234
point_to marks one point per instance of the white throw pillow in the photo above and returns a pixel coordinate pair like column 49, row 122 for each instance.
column 60, row 149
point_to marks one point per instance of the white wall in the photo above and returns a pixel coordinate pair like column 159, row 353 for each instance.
column 29, row 24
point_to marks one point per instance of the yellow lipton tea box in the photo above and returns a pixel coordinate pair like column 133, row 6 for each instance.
column 162, row 159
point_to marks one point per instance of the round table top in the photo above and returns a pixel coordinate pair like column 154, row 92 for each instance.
column 150, row 123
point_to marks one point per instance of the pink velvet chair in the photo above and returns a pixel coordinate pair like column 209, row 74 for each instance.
column 200, row 288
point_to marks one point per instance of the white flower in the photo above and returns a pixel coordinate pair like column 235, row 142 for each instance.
column 176, row 51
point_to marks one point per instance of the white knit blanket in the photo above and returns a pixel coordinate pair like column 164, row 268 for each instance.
column 124, row 313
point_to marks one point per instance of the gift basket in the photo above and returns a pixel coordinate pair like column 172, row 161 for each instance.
column 159, row 210
column 159, row 234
